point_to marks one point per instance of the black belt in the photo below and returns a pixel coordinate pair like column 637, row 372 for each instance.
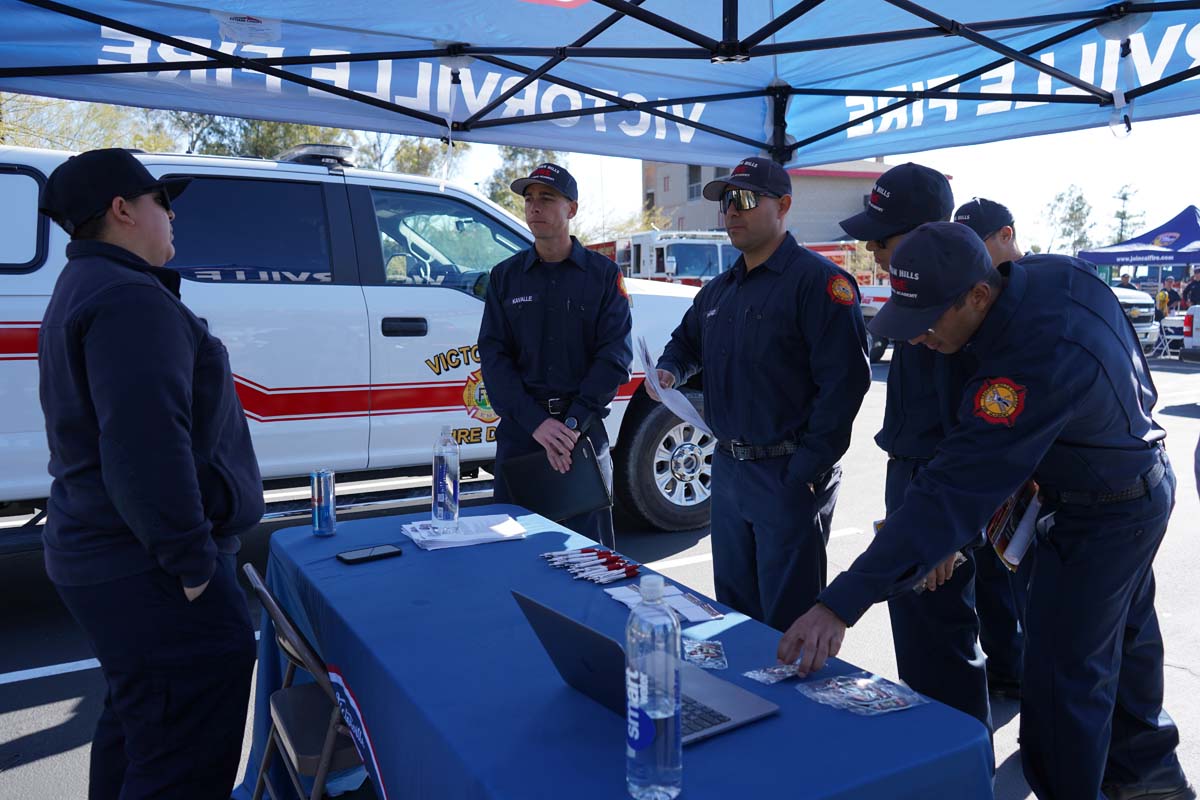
column 1143, row 487
column 556, row 406
column 752, row 452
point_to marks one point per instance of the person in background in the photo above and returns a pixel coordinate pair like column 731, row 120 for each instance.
column 1168, row 300
column 1191, row 293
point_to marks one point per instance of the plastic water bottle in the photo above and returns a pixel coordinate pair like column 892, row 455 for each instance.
column 653, row 735
column 445, row 483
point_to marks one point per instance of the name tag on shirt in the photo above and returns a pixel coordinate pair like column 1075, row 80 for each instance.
column 525, row 298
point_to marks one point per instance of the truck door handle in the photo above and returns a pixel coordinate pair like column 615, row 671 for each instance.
column 405, row 326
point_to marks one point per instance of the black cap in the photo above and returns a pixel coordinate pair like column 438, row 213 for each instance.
column 902, row 198
column 551, row 175
column 83, row 186
column 930, row 269
column 985, row 217
column 756, row 174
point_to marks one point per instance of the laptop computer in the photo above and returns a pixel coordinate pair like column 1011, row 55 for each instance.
column 594, row 664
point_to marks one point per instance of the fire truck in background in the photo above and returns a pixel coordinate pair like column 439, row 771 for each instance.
column 692, row 258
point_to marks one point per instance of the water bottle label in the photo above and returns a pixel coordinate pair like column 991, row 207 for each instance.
column 639, row 733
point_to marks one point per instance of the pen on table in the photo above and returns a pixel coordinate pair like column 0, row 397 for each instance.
column 628, row 572
column 603, row 568
column 562, row 553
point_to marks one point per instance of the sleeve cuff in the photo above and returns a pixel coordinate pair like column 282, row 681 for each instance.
column 201, row 576
column 844, row 599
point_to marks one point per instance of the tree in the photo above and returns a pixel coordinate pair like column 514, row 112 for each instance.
column 516, row 162
column 27, row 121
column 413, row 155
column 1127, row 222
column 1069, row 215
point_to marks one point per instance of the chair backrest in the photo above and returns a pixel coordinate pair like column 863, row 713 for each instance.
column 290, row 640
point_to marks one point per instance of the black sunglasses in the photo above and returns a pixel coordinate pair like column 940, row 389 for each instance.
column 744, row 199
column 163, row 198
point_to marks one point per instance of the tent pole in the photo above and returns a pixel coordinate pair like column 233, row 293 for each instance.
column 779, row 23
column 614, row 99
column 232, row 61
column 975, row 73
column 958, row 29
column 779, row 100
column 592, row 33
column 662, row 23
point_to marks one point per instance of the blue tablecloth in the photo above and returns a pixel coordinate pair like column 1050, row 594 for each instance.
column 459, row 700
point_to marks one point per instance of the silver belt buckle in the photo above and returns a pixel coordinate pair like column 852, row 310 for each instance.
column 740, row 450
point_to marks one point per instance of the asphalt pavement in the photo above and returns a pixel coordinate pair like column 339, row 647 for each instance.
column 51, row 690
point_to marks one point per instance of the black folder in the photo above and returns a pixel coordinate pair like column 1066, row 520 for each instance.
column 537, row 486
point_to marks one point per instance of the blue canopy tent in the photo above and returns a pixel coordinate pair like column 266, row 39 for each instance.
column 697, row 81
column 1175, row 243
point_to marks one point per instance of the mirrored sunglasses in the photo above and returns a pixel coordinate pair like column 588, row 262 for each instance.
column 743, row 199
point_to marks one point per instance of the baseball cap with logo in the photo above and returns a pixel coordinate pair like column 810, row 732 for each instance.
column 756, row 174
column 551, row 175
column 930, row 269
column 83, row 186
column 902, row 198
column 985, row 217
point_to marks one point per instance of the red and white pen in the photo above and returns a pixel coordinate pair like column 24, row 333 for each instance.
column 581, row 557
column 600, row 569
column 593, row 562
column 564, row 553
column 628, row 572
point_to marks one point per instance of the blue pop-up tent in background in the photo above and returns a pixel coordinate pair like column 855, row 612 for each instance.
column 1174, row 243
column 696, row 81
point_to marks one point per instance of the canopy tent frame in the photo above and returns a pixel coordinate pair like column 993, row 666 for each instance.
column 730, row 48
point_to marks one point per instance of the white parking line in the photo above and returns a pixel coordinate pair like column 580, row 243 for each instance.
column 46, row 672
column 55, row 669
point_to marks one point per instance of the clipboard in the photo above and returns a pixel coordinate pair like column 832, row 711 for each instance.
column 537, row 486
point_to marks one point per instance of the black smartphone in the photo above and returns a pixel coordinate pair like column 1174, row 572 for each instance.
column 369, row 554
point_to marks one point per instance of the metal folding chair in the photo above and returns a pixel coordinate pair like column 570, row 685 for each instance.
column 306, row 723
column 1162, row 348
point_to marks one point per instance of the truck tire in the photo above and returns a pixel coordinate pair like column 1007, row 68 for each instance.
column 662, row 471
column 876, row 347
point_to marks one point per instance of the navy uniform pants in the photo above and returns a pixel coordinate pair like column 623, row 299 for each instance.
column 936, row 634
column 1001, row 597
column 178, row 684
column 768, row 538
column 512, row 442
column 1092, row 691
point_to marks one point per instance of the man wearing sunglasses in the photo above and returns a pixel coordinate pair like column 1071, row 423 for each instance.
column 780, row 345
column 935, row 633
column 154, row 477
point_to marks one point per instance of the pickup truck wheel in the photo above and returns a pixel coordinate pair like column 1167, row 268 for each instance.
column 663, row 472
column 876, row 347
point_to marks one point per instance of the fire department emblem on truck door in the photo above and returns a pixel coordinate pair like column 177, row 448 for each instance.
column 475, row 399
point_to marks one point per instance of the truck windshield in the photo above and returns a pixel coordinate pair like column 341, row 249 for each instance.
column 695, row 260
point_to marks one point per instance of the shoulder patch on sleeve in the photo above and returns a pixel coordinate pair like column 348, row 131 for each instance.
column 621, row 287
column 839, row 290
column 1000, row 401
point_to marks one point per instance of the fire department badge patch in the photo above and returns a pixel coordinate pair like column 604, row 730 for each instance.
column 621, row 288
column 1000, row 401
column 840, row 290
column 475, row 399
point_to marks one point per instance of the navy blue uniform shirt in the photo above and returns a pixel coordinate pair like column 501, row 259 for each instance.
column 149, row 449
column 924, row 389
column 1062, row 393
column 555, row 330
column 783, row 350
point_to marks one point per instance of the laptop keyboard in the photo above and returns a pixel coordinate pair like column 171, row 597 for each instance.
column 697, row 717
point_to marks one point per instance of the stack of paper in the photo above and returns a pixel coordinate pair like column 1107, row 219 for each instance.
column 471, row 530
column 688, row 606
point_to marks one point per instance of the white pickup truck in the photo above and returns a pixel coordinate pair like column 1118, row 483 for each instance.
column 350, row 302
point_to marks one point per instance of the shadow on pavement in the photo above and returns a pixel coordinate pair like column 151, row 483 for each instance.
column 1191, row 410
